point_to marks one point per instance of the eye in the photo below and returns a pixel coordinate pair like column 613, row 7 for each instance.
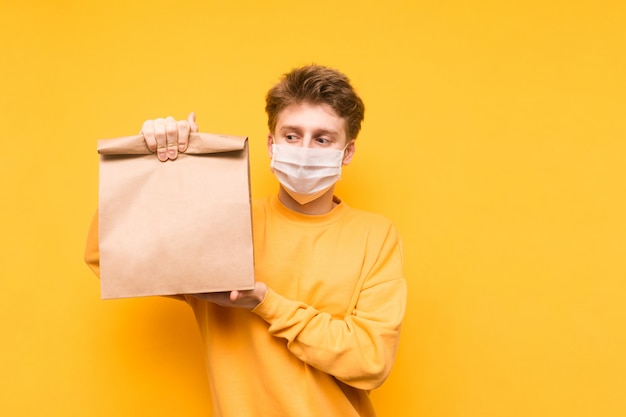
column 322, row 140
column 290, row 137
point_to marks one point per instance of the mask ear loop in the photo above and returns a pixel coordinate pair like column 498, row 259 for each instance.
column 346, row 147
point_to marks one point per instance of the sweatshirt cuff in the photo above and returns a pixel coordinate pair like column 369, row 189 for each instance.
column 267, row 309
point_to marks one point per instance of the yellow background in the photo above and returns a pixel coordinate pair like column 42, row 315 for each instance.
column 495, row 139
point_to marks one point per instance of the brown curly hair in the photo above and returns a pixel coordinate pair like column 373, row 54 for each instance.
column 317, row 85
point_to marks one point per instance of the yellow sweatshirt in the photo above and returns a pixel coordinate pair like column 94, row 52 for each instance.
column 327, row 331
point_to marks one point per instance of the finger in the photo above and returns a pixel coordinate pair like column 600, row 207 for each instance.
column 160, row 137
column 147, row 130
column 183, row 135
column 171, row 137
column 221, row 298
column 192, row 122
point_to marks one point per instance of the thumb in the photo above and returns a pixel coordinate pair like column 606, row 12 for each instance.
column 192, row 122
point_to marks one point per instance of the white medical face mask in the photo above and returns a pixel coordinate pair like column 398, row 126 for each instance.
column 306, row 173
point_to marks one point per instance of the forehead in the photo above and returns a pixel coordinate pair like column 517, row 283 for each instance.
column 311, row 116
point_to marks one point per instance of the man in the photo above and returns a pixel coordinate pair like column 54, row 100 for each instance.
column 320, row 329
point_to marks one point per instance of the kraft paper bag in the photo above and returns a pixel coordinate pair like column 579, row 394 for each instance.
column 174, row 227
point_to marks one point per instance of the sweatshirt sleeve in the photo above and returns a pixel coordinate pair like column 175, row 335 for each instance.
column 358, row 349
column 92, row 252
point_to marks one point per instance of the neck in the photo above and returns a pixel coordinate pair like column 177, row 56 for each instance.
column 321, row 205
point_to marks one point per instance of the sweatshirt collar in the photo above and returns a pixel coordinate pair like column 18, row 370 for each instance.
column 336, row 212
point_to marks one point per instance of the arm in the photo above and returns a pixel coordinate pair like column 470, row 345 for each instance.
column 358, row 349
column 92, row 253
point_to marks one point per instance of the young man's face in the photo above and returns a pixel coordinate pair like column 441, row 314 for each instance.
column 311, row 126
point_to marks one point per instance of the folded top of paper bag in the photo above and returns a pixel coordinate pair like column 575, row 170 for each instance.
column 199, row 143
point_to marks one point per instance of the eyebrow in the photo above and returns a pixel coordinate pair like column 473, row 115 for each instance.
column 316, row 132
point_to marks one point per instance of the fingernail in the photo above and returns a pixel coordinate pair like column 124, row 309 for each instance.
column 172, row 153
column 162, row 155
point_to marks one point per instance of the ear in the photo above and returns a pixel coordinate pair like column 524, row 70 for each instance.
column 349, row 152
column 270, row 141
